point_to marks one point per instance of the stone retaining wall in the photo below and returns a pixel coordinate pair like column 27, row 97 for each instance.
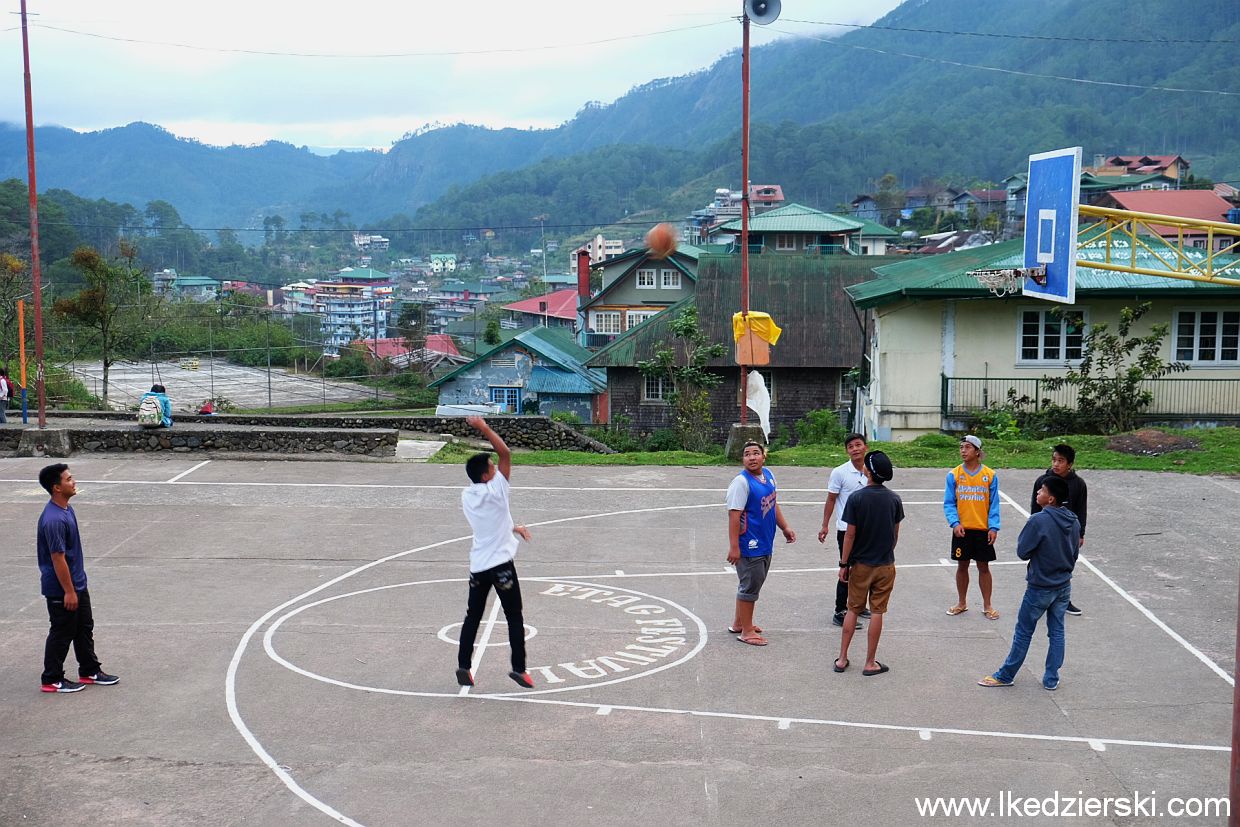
column 537, row 432
column 374, row 443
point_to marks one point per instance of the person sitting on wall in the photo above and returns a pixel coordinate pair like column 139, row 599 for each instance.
column 155, row 409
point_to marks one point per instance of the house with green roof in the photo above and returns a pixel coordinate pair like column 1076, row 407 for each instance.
column 634, row 287
column 795, row 229
column 541, row 369
column 822, row 341
column 942, row 347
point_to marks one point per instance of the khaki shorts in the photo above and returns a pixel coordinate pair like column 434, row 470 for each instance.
column 870, row 582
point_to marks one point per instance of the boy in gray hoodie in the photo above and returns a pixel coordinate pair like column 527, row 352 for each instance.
column 1050, row 541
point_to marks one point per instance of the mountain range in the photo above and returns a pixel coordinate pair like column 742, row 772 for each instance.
column 937, row 89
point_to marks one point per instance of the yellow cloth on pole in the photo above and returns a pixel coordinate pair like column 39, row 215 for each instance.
column 762, row 325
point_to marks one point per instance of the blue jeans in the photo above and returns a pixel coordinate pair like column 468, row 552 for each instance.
column 1054, row 604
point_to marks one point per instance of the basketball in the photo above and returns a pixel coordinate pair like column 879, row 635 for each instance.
column 661, row 240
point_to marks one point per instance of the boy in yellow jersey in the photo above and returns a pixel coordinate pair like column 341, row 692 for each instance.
column 971, row 505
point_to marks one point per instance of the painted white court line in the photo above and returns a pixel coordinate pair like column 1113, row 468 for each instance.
column 282, row 773
column 189, row 471
column 1172, row 633
column 479, row 649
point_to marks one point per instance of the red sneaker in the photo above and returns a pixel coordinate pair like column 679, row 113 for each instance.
column 522, row 678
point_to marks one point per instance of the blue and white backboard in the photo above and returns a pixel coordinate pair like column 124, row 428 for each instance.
column 1052, row 202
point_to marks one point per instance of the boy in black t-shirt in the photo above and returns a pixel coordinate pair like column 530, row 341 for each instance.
column 868, row 561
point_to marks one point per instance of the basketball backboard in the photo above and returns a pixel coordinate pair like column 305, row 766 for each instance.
column 1052, row 202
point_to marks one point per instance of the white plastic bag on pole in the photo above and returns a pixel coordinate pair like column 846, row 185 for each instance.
column 758, row 400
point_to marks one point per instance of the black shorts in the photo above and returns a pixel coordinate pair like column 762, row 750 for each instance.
column 972, row 546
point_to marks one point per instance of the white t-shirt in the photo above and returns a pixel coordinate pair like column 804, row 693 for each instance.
column 486, row 507
column 845, row 479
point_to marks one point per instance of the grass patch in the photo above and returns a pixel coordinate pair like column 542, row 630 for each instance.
column 1219, row 453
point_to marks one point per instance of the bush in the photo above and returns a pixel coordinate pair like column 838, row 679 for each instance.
column 821, row 427
column 664, row 439
column 349, row 366
column 998, row 422
column 566, row 418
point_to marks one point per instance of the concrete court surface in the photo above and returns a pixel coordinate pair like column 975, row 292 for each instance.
column 245, row 387
column 285, row 634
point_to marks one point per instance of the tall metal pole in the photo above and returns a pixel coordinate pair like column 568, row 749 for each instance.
column 1233, row 817
column 35, row 268
column 374, row 336
column 269, row 361
column 744, row 198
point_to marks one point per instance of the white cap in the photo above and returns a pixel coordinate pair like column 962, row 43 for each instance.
column 975, row 441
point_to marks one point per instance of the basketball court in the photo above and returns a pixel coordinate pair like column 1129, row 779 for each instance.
column 285, row 633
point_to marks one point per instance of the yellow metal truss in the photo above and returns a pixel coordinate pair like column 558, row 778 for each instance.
column 1135, row 228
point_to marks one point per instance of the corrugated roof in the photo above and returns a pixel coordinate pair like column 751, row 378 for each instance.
column 795, row 218
column 871, row 229
column 554, row 380
column 562, row 304
column 947, row 276
column 552, row 343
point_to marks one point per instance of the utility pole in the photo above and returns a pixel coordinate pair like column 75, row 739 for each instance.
column 542, row 232
column 36, row 271
column 269, row 361
column 374, row 337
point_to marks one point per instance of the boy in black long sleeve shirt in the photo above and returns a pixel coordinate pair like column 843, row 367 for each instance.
column 1063, row 458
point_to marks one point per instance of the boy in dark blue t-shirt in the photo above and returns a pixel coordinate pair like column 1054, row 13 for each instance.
column 62, row 575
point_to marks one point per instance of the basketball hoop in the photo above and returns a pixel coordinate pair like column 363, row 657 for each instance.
column 1008, row 281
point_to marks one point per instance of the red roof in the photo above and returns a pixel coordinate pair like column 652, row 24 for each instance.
column 1151, row 163
column 1199, row 204
column 441, row 343
column 562, row 304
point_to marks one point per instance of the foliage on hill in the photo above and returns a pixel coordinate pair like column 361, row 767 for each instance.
column 831, row 117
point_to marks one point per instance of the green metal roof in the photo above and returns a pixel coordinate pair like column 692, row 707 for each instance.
column 552, row 343
column 795, row 218
column 947, row 275
column 556, row 380
column 871, row 229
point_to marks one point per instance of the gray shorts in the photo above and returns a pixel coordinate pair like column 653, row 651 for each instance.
column 751, row 571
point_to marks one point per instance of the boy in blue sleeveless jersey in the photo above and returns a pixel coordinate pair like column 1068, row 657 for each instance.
column 753, row 516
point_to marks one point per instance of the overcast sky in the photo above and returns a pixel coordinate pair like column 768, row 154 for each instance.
column 112, row 67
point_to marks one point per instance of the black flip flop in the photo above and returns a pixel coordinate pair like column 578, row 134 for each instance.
column 836, row 665
column 880, row 670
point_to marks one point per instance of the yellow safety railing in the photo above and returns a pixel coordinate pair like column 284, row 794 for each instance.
column 1221, row 266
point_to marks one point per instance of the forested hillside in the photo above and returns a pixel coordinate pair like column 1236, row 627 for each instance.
column 831, row 116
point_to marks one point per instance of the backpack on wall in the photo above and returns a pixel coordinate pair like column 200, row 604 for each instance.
column 150, row 412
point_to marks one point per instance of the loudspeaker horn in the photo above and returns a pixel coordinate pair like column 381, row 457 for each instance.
column 762, row 12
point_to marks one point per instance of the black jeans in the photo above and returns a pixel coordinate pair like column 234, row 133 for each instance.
column 504, row 578
column 76, row 628
column 841, row 588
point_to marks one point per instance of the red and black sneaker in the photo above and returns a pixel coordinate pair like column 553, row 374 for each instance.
column 464, row 678
column 522, row 678
column 63, row 685
column 100, row 678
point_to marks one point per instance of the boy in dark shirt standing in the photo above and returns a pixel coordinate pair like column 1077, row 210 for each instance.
column 1050, row 542
column 1063, row 461
column 868, row 561
column 63, row 581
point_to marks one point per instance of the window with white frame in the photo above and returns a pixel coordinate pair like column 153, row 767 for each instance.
column 671, row 279
column 606, row 321
column 768, row 376
column 655, row 388
column 785, row 241
column 1207, row 337
column 633, row 318
column 646, row 280
column 1047, row 336
column 509, row 398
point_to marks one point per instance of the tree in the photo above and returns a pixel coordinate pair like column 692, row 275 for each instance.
column 683, row 364
column 1109, row 378
column 114, row 303
column 14, row 282
column 491, row 334
column 889, row 199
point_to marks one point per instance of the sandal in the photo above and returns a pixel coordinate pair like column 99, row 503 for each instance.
column 991, row 680
column 957, row 610
column 836, row 666
column 753, row 641
column 991, row 614
column 732, row 630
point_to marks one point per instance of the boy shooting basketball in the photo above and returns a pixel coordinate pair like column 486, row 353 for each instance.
column 485, row 503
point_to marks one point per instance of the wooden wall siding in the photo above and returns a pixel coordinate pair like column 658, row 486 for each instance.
column 798, row 391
